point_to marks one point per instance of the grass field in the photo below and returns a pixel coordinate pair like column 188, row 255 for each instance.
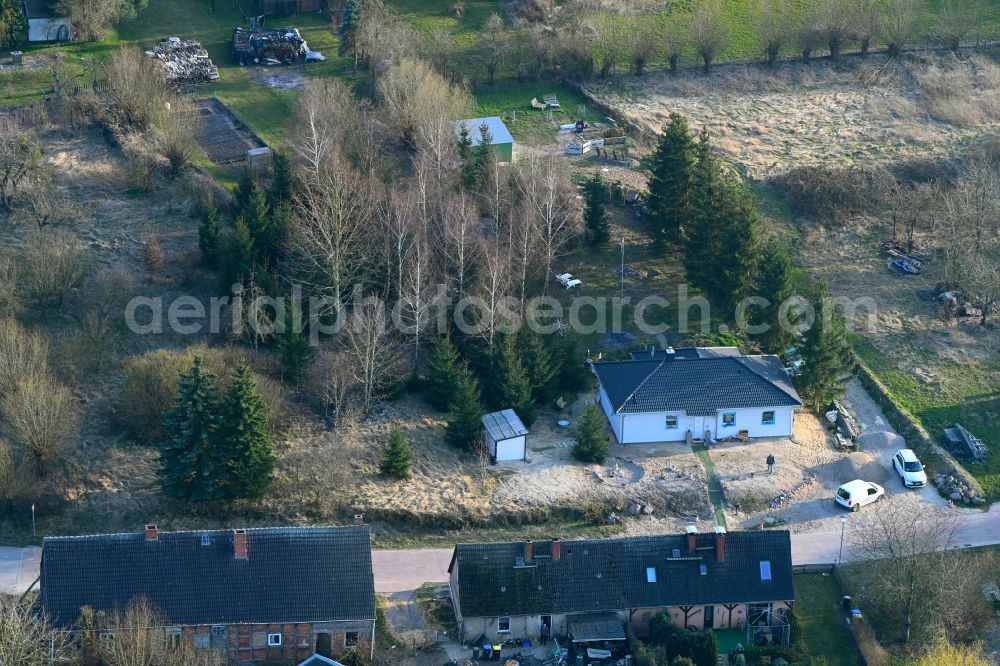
column 964, row 393
column 821, row 622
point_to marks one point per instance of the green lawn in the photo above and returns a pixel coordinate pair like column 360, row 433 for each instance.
column 968, row 393
column 821, row 622
column 430, row 16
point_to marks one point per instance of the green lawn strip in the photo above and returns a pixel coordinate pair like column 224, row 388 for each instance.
column 714, row 485
column 821, row 621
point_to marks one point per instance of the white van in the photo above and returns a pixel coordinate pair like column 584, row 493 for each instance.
column 857, row 493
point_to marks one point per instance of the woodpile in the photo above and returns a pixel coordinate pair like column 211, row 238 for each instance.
column 183, row 62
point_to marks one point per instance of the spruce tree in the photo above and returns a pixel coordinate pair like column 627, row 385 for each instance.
column 464, row 142
column 594, row 215
column 244, row 436
column 396, row 457
column 537, row 359
column 515, row 389
column 774, row 283
column 245, row 188
column 238, row 263
column 478, row 166
column 192, row 465
column 282, row 181
column 292, row 342
column 13, row 27
column 572, row 373
column 350, row 21
column 466, row 412
column 670, row 180
column 210, row 234
column 442, row 372
column 591, row 436
column 256, row 215
column 829, row 364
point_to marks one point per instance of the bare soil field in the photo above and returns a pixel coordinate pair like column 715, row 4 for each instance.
column 768, row 121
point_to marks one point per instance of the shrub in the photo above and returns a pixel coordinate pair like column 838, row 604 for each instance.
column 591, row 437
column 42, row 417
column 152, row 254
column 396, row 458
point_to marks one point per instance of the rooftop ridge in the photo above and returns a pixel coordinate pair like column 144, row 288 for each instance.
column 226, row 530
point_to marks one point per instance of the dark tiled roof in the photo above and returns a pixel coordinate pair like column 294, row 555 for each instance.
column 611, row 574
column 290, row 575
column 40, row 9
column 700, row 385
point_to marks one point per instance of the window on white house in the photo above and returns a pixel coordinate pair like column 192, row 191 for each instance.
column 274, row 640
column 767, row 418
column 650, row 574
column 671, row 422
column 503, row 625
column 728, row 419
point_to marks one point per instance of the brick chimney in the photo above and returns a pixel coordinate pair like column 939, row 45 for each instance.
column 556, row 550
column 152, row 534
column 529, row 551
column 692, row 533
column 720, row 544
column 359, row 519
column 240, row 550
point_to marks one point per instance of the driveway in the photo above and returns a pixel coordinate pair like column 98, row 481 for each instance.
column 18, row 568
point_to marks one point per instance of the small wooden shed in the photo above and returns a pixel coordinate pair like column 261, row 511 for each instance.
column 506, row 436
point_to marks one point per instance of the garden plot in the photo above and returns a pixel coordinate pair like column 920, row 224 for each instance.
column 769, row 121
column 223, row 138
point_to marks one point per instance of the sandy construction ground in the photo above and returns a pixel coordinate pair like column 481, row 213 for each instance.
column 769, row 121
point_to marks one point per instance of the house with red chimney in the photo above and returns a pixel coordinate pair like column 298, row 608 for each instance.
column 590, row 589
column 268, row 594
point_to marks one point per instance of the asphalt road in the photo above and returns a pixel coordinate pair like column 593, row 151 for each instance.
column 405, row 570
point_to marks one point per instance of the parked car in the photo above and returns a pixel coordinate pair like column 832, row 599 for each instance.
column 857, row 493
column 910, row 471
column 564, row 278
column 573, row 283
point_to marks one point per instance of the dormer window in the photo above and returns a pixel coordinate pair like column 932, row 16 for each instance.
column 650, row 574
column 703, row 569
column 765, row 569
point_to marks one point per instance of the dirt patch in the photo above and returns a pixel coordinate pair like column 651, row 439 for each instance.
column 769, row 121
column 223, row 137
column 283, row 79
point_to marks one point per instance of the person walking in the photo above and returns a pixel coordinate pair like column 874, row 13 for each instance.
column 770, row 463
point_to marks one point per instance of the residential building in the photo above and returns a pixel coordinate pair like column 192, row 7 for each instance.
column 46, row 24
column 253, row 594
column 673, row 395
column 594, row 587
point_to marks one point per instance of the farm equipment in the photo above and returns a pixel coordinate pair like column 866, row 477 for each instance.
column 268, row 46
column 965, row 443
column 898, row 250
column 907, row 266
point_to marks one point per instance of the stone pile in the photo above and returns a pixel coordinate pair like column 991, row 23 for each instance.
column 952, row 487
column 183, row 62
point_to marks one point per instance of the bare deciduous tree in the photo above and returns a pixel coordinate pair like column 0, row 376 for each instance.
column 20, row 157
column 44, row 203
column 773, row 28
column 493, row 312
column 42, row 417
column 53, row 265
column 956, row 21
column 176, row 133
column 136, row 93
column 413, row 95
column 332, row 382
column 899, row 23
column 866, row 16
column 609, row 44
column 327, row 238
column 709, row 32
column 836, row 25
column 550, row 196
column 674, row 43
column 25, row 638
column 92, row 18
column 642, row 43
column 369, row 341
column 490, row 46
column 22, row 354
column 384, row 36
column 907, row 553
column 460, row 240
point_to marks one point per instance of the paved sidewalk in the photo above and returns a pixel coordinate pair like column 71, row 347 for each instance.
column 18, row 568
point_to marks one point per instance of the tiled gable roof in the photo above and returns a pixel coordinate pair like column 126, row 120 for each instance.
column 611, row 574
column 290, row 575
column 696, row 385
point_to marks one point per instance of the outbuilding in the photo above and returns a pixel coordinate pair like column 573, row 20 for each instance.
column 46, row 25
column 506, row 436
column 502, row 140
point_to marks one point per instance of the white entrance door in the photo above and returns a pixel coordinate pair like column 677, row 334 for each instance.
column 699, row 427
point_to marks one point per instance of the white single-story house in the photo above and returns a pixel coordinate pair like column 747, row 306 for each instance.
column 711, row 393
column 45, row 25
column 505, row 436
column 503, row 140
